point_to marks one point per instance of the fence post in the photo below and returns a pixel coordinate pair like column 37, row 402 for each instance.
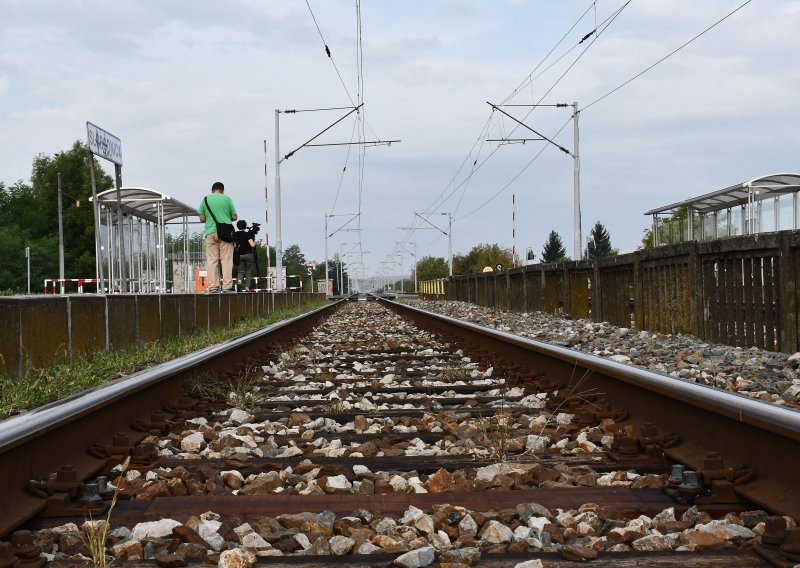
column 597, row 297
column 695, row 291
column 638, row 291
column 524, row 289
column 787, row 294
column 566, row 296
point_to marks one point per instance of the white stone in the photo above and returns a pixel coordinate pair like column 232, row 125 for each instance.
column 534, row 442
column 398, row 483
column 564, row 418
column 153, row 529
column 361, row 470
column 339, row 482
column 133, row 474
column 620, row 358
column 468, row 526
column 521, row 533
column 489, row 472
column 440, row 540
column 655, row 543
column 193, row 442
column 495, row 532
column 416, row 558
column 290, row 452
column 236, row 558
column 302, row 540
column 368, row 548
column 530, row 564
column 254, row 540
column 411, row 515
column 341, row 544
column 424, row 524
column 537, row 524
column 726, row 531
column 208, row 530
column 233, row 478
column 243, row 530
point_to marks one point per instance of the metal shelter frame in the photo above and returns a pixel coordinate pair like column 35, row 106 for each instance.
column 145, row 214
column 720, row 207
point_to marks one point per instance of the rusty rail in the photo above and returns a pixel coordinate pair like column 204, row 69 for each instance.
column 41, row 441
column 745, row 432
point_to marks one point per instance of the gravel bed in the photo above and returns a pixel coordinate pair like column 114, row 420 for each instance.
column 765, row 375
column 521, row 440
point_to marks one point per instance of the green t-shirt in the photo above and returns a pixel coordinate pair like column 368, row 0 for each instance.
column 223, row 209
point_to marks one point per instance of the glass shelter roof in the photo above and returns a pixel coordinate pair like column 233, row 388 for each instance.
column 143, row 202
column 756, row 189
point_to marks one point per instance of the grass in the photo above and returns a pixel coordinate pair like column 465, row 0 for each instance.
column 41, row 386
column 497, row 431
column 243, row 392
column 97, row 533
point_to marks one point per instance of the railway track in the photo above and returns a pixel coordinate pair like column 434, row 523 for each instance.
column 367, row 437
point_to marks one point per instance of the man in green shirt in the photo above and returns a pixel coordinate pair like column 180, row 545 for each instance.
column 218, row 251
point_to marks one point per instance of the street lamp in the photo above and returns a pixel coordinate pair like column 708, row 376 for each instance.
column 414, row 254
column 61, row 233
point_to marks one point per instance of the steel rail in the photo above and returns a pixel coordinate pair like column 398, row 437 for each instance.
column 744, row 431
column 37, row 442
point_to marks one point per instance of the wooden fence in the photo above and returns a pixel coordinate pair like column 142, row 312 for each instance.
column 736, row 291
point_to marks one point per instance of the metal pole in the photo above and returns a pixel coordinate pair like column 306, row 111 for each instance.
column 98, row 249
column 416, row 289
column 402, row 287
column 141, row 277
column 326, row 257
column 110, row 239
column 450, row 240
column 28, row 257
column 130, row 253
column 149, row 259
column 278, row 238
column 60, row 238
column 266, row 217
column 577, row 185
column 513, row 230
column 123, row 272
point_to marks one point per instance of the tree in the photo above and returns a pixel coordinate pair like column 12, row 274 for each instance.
column 78, row 217
column 553, row 250
column 600, row 243
column 481, row 256
column 673, row 229
column 431, row 267
column 29, row 218
column 294, row 260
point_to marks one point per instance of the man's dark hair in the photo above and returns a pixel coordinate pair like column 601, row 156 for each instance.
column 241, row 225
column 218, row 185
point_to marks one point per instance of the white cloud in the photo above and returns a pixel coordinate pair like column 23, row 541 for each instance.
column 191, row 89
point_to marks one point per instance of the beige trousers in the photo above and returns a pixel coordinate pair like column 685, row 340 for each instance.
column 219, row 252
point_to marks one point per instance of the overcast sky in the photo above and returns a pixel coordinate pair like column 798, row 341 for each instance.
column 191, row 88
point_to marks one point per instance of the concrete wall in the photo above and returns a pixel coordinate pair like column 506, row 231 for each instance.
column 737, row 291
column 40, row 330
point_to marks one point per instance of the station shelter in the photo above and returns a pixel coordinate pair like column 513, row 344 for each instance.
column 154, row 243
column 764, row 204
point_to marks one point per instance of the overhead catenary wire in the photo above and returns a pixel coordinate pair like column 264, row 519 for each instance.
column 443, row 197
column 667, row 56
column 598, row 32
column 712, row 26
column 328, row 52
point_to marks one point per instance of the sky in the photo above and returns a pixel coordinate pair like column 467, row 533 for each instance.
column 191, row 88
